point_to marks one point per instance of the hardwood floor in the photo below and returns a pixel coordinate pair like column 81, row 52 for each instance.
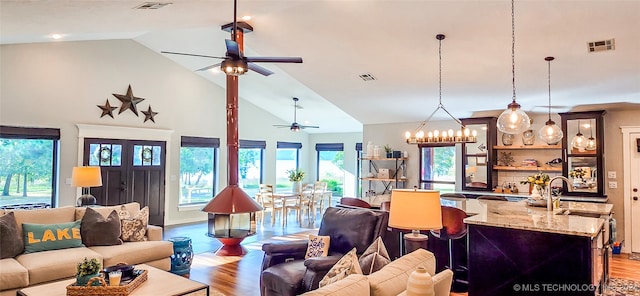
column 241, row 275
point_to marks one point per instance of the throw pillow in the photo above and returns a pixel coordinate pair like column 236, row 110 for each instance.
column 134, row 229
column 97, row 230
column 347, row 265
column 11, row 243
column 45, row 237
column 374, row 257
column 123, row 213
column 318, row 246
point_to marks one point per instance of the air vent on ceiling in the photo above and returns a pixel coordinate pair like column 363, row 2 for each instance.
column 367, row 77
column 603, row 45
column 152, row 5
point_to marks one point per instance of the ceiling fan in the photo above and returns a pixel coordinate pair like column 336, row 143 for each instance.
column 295, row 126
column 234, row 62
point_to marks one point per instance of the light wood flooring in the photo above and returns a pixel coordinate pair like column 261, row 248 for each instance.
column 241, row 275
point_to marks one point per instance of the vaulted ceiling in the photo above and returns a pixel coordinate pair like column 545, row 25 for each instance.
column 394, row 41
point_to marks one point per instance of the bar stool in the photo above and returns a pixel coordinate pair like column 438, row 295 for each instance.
column 453, row 228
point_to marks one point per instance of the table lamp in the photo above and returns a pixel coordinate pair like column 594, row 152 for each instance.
column 415, row 210
column 86, row 177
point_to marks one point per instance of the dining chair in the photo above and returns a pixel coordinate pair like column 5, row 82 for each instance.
column 317, row 198
column 300, row 204
column 269, row 201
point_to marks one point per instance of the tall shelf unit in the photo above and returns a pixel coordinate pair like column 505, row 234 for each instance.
column 396, row 180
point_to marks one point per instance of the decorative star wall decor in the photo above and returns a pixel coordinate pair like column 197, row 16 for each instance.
column 128, row 101
column 107, row 109
column 149, row 114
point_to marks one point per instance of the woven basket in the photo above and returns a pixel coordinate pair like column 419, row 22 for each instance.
column 104, row 289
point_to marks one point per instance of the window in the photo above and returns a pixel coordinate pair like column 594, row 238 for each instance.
column 438, row 167
column 330, row 166
column 198, row 174
column 250, row 157
column 286, row 159
column 28, row 167
column 359, row 169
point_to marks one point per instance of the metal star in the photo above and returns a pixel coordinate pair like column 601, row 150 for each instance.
column 149, row 114
column 128, row 101
column 107, row 109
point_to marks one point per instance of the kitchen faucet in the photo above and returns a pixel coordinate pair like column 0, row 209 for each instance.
column 550, row 203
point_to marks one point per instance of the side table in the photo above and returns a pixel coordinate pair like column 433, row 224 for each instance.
column 182, row 255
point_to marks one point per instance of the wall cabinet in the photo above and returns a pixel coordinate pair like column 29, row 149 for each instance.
column 396, row 168
column 583, row 152
column 478, row 157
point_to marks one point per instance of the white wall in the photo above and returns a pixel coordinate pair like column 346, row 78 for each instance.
column 59, row 84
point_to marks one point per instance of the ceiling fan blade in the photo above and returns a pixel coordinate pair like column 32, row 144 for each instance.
column 209, row 67
column 309, row 126
column 233, row 50
column 281, row 125
column 274, row 59
column 259, row 69
column 193, row 55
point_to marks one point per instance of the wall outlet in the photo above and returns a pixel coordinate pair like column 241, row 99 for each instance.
column 611, row 174
column 613, row 184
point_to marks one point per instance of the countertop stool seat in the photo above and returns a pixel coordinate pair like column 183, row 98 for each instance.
column 454, row 228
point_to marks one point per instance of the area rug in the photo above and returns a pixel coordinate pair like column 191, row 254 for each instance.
column 623, row 287
column 634, row 256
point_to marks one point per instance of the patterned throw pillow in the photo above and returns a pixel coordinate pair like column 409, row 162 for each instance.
column 374, row 257
column 11, row 243
column 134, row 229
column 347, row 265
column 100, row 231
column 44, row 237
column 123, row 213
column 318, row 246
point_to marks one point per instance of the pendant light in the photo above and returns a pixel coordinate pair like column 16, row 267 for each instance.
column 464, row 135
column 513, row 120
column 579, row 142
column 550, row 133
column 591, row 142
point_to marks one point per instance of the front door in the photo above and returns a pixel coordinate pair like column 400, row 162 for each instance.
column 132, row 171
column 635, row 193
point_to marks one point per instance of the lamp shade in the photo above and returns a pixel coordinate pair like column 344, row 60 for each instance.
column 415, row 209
column 88, row 176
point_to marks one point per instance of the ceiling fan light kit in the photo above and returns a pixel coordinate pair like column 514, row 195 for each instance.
column 513, row 120
column 550, row 133
column 464, row 135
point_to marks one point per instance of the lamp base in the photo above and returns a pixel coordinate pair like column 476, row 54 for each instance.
column 85, row 200
column 414, row 241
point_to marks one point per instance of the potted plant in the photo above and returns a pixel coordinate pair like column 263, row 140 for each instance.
column 87, row 269
column 296, row 176
column 388, row 150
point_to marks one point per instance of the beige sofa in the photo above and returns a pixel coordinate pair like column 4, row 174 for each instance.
column 391, row 280
column 40, row 267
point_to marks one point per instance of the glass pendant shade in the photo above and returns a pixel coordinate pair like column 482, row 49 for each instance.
column 579, row 141
column 551, row 133
column 513, row 120
column 591, row 144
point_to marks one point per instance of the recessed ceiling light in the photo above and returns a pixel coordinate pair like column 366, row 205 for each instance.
column 246, row 18
column 56, row 36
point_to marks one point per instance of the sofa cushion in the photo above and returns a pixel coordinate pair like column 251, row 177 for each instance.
column 55, row 264
column 347, row 265
column 134, row 252
column 134, row 228
column 317, row 246
column 45, row 237
column 44, row 216
column 374, row 257
column 283, row 279
column 392, row 279
column 11, row 243
column 98, row 230
column 353, row 285
column 12, row 274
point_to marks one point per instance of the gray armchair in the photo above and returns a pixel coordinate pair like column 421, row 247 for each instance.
column 286, row 272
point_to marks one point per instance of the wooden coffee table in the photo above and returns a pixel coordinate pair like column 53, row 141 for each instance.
column 158, row 282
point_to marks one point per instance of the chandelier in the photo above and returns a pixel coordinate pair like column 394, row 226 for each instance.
column 513, row 120
column 550, row 133
column 463, row 135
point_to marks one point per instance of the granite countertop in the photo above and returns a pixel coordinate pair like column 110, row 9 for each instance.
column 526, row 195
column 519, row 215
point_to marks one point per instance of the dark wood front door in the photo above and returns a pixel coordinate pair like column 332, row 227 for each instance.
column 132, row 171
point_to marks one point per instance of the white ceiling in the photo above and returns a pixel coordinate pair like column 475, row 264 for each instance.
column 393, row 40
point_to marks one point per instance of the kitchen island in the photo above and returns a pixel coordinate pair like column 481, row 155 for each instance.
column 517, row 249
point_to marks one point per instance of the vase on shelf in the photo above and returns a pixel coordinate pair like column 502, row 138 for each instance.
column 528, row 137
column 507, row 139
